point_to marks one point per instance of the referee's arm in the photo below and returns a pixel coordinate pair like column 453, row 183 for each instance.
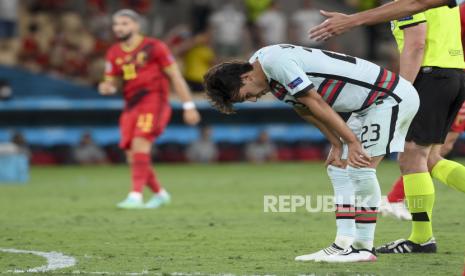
column 399, row 9
column 338, row 23
column 412, row 54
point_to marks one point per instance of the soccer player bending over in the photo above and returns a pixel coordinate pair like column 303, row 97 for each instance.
column 318, row 84
column 146, row 67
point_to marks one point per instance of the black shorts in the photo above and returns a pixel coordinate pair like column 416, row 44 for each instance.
column 442, row 92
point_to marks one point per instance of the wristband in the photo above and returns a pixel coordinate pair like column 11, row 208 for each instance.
column 188, row 105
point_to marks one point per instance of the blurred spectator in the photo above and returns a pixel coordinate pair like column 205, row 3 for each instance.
column 200, row 13
column 372, row 30
column 261, row 150
column 140, row 6
column 179, row 39
column 98, row 20
column 49, row 6
column 254, row 9
column 272, row 25
column 87, row 152
column 8, row 18
column 97, row 5
column 18, row 139
column 197, row 61
column 301, row 21
column 71, row 47
column 5, row 90
column 203, row 150
column 32, row 56
column 227, row 25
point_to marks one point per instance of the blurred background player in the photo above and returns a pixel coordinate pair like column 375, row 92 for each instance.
column 146, row 67
column 394, row 204
column 431, row 57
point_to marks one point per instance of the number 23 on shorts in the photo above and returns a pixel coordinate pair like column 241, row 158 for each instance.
column 372, row 132
column 145, row 122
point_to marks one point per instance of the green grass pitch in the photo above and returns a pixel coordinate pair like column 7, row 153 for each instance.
column 215, row 224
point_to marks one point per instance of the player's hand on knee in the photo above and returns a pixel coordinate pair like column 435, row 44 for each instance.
column 191, row 116
column 357, row 157
column 334, row 157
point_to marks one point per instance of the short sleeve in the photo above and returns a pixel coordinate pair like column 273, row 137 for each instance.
column 163, row 55
column 111, row 69
column 288, row 73
column 411, row 21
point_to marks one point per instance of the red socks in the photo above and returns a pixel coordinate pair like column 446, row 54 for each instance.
column 142, row 173
column 397, row 191
column 153, row 183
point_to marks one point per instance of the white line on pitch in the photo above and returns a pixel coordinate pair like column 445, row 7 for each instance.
column 55, row 260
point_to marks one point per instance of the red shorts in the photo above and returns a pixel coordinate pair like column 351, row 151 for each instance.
column 144, row 121
column 459, row 122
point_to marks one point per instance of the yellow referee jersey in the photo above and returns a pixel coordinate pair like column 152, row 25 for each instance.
column 443, row 38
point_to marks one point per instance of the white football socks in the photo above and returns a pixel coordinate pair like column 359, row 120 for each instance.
column 367, row 201
column 344, row 200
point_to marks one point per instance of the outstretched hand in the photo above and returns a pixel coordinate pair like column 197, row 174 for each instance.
column 335, row 24
column 334, row 157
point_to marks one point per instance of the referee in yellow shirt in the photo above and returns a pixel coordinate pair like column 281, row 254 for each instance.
column 431, row 58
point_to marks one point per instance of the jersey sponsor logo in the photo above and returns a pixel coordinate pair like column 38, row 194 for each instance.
column 406, row 18
column 293, row 84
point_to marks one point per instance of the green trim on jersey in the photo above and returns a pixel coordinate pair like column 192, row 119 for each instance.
column 443, row 37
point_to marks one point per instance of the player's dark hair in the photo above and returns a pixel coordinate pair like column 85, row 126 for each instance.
column 222, row 83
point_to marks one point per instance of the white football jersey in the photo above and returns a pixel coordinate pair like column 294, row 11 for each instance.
column 346, row 83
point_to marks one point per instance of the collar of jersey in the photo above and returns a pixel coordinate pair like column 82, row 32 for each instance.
column 130, row 49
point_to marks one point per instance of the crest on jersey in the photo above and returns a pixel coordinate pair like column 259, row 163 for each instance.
column 278, row 90
column 141, row 57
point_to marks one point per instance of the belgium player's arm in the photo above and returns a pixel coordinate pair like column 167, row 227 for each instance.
column 110, row 80
column 191, row 115
column 180, row 86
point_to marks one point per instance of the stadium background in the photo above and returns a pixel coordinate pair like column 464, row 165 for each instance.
column 51, row 59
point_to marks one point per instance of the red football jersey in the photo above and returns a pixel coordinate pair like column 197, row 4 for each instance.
column 141, row 69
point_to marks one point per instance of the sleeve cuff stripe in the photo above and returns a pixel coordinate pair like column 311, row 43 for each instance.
column 304, row 91
column 411, row 24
